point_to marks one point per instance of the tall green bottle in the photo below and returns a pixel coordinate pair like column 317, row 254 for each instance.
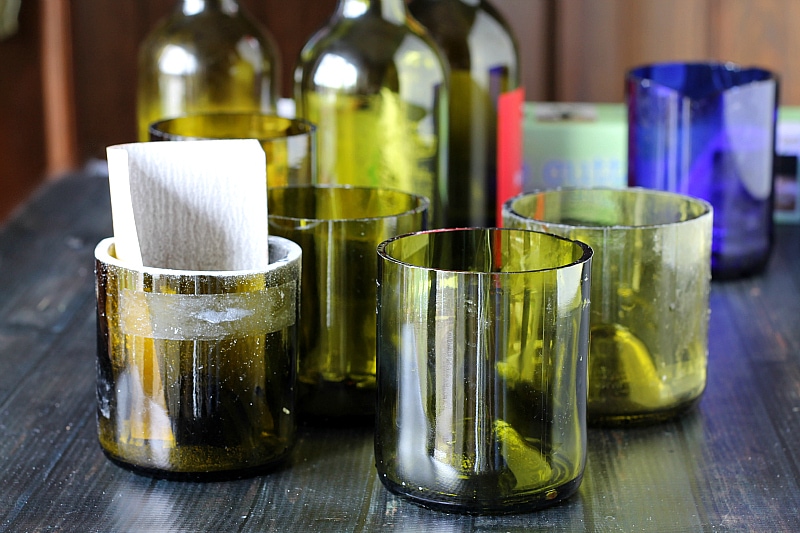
column 208, row 55
column 376, row 85
column 486, row 106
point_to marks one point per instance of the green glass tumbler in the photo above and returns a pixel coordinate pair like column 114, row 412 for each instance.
column 289, row 144
column 339, row 229
column 196, row 369
column 650, row 293
column 483, row 337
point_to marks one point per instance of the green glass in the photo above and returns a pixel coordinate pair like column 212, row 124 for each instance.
column 207, row 55
column 339, row 229
column 484, row 61
column 483, row 337
column 650, row 291
column 289, row 144
column 196, row 369
column 376, row 85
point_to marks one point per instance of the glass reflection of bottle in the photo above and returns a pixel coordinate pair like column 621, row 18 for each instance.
column 485, row 106
column 376, row 86
column 208, row 55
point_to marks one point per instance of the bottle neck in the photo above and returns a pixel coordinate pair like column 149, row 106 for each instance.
column 193, row 7
column 391, row 10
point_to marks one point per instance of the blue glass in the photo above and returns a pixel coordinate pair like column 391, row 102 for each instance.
column 708, row 130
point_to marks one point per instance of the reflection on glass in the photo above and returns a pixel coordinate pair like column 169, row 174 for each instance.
column 339, row 229
column 482, row 350
column 289, row 144
column 196, row 370
column 650, row 290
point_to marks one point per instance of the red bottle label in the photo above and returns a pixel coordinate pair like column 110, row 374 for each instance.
column 510, row 111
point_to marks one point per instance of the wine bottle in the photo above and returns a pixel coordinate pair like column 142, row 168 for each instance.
column 486, row 101
column 376, row 86
column 208, row 55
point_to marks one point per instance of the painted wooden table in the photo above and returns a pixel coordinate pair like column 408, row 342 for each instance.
column 731, row 464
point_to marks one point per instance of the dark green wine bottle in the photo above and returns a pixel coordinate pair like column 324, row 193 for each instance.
column 375, row 84
column 208, row 55
column 485, row 160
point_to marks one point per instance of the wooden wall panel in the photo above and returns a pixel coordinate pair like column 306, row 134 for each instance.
column 291, row 24
column 22, row 137
column 761, row 33
column 597, row 42
column 532, row 24
column 106, row 41
column 58, row 88
column 572, row 50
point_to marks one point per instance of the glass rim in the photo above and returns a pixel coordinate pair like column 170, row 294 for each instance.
column 296, row 127
column 707, row 209
column 102, row 253
column 422, row 202
column 586, row 255
column 637, row 72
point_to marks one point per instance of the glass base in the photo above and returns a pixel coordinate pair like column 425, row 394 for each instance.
column 207, row 476
column 727, row 268
column 639, row 419
column 485, row 506
column 344, row 402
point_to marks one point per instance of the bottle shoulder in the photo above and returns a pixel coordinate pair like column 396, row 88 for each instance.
column 369, row 49
column 204, row 35
column 372, row 39
column 469, row 35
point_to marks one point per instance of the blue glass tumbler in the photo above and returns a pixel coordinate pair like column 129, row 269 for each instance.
column 708, row 130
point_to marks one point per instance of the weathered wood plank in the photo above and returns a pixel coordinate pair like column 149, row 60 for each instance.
column 46, row 254
column 731, row 464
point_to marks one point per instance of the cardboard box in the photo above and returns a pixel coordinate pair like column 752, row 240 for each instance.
column 575, row 145
column 586, row 145
column 787, row 148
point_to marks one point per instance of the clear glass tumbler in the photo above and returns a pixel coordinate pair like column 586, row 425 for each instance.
column 482, row 352
column 290, row 144
column 196, row 369
column 708, row 130
column 650, row 292
column 339, row 229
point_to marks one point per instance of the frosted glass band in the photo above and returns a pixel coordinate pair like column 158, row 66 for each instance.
column 207, row 316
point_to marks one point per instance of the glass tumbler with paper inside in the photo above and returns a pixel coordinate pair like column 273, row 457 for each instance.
column 482, row 354
column 196, row 369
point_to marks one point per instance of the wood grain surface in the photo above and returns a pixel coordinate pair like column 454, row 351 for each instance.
column 731, row 464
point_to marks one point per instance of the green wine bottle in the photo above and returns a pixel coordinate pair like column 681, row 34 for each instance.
column 376, row 85
column 208, row 55
column 485, row 106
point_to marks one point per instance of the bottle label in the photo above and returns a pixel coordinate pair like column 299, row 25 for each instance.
column 510, row 109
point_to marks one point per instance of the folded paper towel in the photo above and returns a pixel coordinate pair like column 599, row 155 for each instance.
column 190, row 205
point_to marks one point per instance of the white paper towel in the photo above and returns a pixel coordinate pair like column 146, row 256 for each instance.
column 190, row 205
